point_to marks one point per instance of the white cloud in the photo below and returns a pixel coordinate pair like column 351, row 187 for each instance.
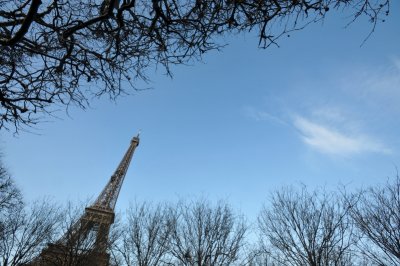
column 331, row 141
column 350, row 111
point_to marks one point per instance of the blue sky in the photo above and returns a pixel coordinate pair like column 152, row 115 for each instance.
column 318, row 110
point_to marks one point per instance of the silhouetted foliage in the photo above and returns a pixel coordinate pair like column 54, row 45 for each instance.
column 377, row 216
column 75, row 243
column 296, row 227
column 196, row 233
column 54, row 53
column 10, row 195
column 29, row 234
column 259, row 256
column 301, row 228
column 206, row 235
column 146, row 236
column 26, row 231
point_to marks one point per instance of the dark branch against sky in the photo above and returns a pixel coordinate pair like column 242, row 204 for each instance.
column 59, row 53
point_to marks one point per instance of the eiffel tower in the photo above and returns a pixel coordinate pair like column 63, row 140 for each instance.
column 86, row 242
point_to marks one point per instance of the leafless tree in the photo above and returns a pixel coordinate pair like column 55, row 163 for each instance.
column 299, row 227
column 26, row 231
column 43, row 234
column 146, row 235
column 16, row 224
column 54, row 53
column 206, row 235
column 257, row 256
column 10, row 195
column 74, row 243
column 377, row 216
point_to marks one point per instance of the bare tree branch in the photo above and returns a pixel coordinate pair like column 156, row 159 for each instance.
column 307, row 228
column 145, row 241
column 10, row 195
column 56, row 53
column 377, row 216
column 205, row 235
column 24, row 233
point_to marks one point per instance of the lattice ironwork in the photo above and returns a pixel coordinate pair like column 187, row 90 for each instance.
column 108, row 197
column 86, row 242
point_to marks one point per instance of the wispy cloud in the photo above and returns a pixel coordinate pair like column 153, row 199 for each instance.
column 396, row 62
column 351, row 111
column 375, row 86
column 258, row 115
column 331, row 141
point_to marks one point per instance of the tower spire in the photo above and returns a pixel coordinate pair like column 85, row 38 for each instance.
column 86, row 242
column 108, row 197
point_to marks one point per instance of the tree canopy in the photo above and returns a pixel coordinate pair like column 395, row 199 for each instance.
column 54, row 53
column 296, row 226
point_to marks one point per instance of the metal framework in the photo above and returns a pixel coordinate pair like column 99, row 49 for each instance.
column 86, row 242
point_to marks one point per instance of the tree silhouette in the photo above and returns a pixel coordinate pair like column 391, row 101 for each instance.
column 26, row 231
column 146, row 236
column 56, row 53
column 10, row 195
column 206, row 235
column 307, row 228
column 187, row 233
column 377, row 216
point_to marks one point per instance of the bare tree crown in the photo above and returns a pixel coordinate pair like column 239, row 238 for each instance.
column 307, row 228
column 377, row 217
column 54, row 53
